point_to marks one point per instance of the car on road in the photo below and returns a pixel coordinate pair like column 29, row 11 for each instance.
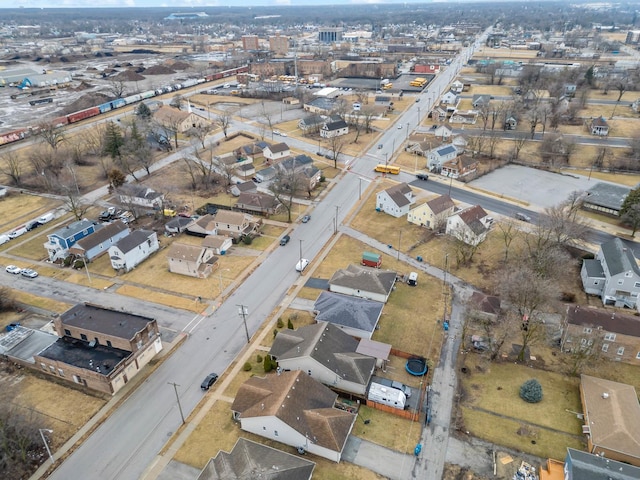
column 208, row 381
column 380, row 146
column 18, row 231
column 302, row 264
column 13, row 269
column 283, row 134
column 399, row 126
column 284, row 240
column 28, row 272
column 306, row 218
column 417, row 99
column 277, row 132
column 422, row 176
column 523, row 217
column 33, row 224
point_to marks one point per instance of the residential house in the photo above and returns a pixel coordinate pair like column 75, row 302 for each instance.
column 235, row 224
column 432, row 214
column 609, row 333
column 579, row 465
column 321, row 105
column 307, row 175
column 140, row 196
column 605, row 198
column 450, row 98
column 133, row 249
column 480, row 100
column 457, row 87
column 469, row 117
column 470, row 225
column 395, row 201
column 459, row 142
column 443, row 132
column 599, row 126
column 334, row 129
column 294, row 409
column 439, row 114
column 419, row 148
column 180, row 121
column 363, row 282
column 357, row 317
column 100, row 348
column 326, row 354
column 436, row 157
column 611, row 416
column 98, row 243
column 203, row 226
column 312, row 123
column 277, row 151
column 258, row 203
column 459, row 167
column 483, row 306
column 191, row 260
column 244, row 187
column 253, row 150
column 60, row 241
column 613, row 275
column 265, row 174
column 178, row 224
column 248, row 457
column 510, row 123
column 219, row 244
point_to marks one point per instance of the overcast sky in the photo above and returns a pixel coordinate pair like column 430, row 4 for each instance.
column 180, row 5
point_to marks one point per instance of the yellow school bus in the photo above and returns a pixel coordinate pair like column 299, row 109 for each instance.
column 387, row 169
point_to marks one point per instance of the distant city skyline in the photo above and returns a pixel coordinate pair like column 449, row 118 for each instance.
column 194, row 4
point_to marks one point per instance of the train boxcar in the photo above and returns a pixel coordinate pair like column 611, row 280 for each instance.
column 118, row 102
column 13, row 136
column 132, row 99
column 82, row 114
column 147, row 94
column 189, row 83
column 60, row 121
column 105, row 107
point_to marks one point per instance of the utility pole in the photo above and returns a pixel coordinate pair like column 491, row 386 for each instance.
column 175, row 387
column 300, row 257
column 399, row 240
column 445, row 292
column 243, row 311
column 335, row 230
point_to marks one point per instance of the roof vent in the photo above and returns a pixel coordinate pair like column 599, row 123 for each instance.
column 605, row 395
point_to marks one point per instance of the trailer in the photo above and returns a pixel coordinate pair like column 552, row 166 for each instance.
column 387, row 396
column 370, row 259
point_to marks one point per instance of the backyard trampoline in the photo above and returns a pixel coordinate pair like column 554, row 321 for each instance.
column 417, row 366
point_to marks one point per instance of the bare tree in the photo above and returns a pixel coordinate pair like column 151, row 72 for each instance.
column 224, row 121
column 200, row 133
column 267, row 115
column 519, row 141
column 283, row 188
column 335, row 145
column 508, row 232
column 117, row 88
column 11, row 166
column 621, row 86
column 51, row 134
column 464, row 252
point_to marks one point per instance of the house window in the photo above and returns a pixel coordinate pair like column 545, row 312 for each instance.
column 83, row 336
column 636, row 285
column 77, row 379
column 620, row 282
column 275, row 433
column 139, row 343
column 620, row 351
column 52, row 368
column 610, row 337
column 587, row 330
column 43, row 366
column 605, row 347
column 67, row 332
column 61, row 372
column 590, row 342
column 109, row 343
column 583, row 341
column 628, row 274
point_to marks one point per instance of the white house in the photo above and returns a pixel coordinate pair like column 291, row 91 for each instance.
column 437, row 156
column 294, row 409
column 325, row 353
column 450, row 98
column 334, row 129
column 395, row 201
column 470, row 225
column 139, row 195
column 277, row 151
column 133, row 249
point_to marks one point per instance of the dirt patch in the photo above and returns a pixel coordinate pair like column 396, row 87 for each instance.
column 159, row 70
column 128, row 76
column 180, row 65
column 456, row 472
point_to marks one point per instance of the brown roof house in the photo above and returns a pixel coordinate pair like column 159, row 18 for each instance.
column 258, row 203
column 611, row 419
column 325, row 353
column 205, row 225
column 364, row 282
column 613, row 334
column 100, row 348
column 460, row 167
column 432, row 214
column 294, row 409
column 191, row 260
column 99, row 242
column 244, row 187
column 470, row 225
column 218, row 243
column 178, row 120
column 395, row 201
column 277, row 151
column 487, row 307
column 599, row 126
column 249, row 460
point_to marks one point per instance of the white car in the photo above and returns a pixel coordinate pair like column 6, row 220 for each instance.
column 13, row 269
column 302, row 264
column 27, row 272
column 399, row 126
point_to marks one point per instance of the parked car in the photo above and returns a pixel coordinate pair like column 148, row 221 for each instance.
column 4, row 239
column 422, row 176
column 27, row 272
column 306, row 218
column 399, row 126
column 522, row 217
column 18, row 231
column 32, row 224
column 208, row 381
column 46, row 218
column 302, row 264
column 284, row 240
column 12, row 326
column 277, row 132
column 380, row 146
column 13, row 269
column 256, row 179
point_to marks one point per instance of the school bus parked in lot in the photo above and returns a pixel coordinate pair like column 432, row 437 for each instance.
column 387, row 169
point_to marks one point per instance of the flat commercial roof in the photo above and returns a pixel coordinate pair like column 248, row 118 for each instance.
column 78, row 353
column 103, row 320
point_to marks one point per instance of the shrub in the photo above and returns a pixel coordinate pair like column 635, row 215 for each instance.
column 289, row 324
column 280, row 323
column 247, row 239
column 268, row 366
column 275, row 332
column 531, row 391
column 568, row 297
column 78, row 264
column 259, row 358
column 247, row 367
column 67, row 261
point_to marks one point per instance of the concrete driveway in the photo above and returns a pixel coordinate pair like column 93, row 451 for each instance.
column 384, row 461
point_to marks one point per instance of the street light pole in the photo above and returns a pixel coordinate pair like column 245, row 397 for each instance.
column 46, row 445
column 335, row 230
column 175, row 388
column 399, row 240
column 301, row 257
column 244, row 311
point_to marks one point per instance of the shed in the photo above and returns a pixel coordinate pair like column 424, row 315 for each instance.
column 370, row 259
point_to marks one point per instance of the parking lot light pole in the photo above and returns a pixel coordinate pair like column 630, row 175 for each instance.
column 46, row 445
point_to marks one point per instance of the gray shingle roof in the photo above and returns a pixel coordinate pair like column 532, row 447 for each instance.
column 618, row 257
column 329, row 346
column 132, row 240
column 586, row 466
column 593, row 268
column 101, row 235
column 364, row 278
column 348, row 311
column 73, row 228
column 398, row 193
column 607, row 195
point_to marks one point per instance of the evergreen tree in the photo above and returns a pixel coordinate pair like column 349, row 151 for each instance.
column 143, row 111
column 630, row 211
column 113, row 141
column 531, row 391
